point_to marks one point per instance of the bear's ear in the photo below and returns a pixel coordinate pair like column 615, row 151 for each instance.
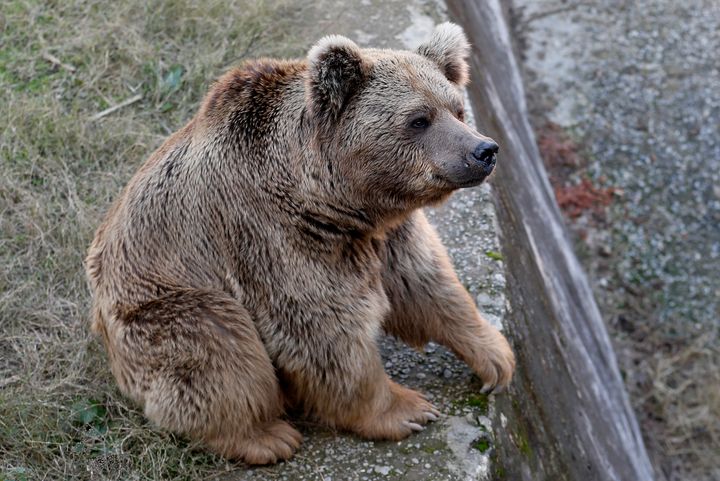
column 448, row 48
column 336, row 70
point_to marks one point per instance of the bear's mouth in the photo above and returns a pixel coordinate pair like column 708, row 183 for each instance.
column 454, row 184
column 466, row 173
column 471, row 182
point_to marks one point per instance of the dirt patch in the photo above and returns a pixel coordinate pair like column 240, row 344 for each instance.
column 563, row 162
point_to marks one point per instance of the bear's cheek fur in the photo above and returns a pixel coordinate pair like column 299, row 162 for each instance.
column 402, row 172
column 390, row 165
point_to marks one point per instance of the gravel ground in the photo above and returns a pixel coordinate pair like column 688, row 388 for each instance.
column 636, row 87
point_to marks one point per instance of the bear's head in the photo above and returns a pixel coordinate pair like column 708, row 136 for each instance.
column 390, row 124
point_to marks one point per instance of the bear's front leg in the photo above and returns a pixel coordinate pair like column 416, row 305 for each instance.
column 429, row 303
column 341, row 383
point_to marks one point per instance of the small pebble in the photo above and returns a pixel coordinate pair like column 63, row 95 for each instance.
column 484, row 299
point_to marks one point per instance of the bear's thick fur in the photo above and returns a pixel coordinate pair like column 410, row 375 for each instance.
column 254, row 259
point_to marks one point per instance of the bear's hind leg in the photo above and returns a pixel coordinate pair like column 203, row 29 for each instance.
column 341, row 383
column 196, row 363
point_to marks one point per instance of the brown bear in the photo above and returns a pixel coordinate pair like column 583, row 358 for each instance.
column 252, row 262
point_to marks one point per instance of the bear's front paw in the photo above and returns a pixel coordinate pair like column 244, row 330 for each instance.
column 407, row 412
column 494, row 361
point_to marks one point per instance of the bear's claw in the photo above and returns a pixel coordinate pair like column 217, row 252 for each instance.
column 431, row 416
column 413, row 426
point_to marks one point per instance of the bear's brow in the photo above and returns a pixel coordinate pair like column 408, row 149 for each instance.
column 408, row 79
column 435, row 86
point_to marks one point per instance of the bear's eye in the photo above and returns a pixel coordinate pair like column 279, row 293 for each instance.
column 420, row 123
column 461, row 115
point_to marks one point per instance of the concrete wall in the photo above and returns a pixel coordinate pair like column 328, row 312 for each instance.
column 567, row 415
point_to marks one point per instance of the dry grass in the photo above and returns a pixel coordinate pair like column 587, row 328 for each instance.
column 671, row 372
column 60, row 413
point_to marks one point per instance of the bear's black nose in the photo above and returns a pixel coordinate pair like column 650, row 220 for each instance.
column 484, row 153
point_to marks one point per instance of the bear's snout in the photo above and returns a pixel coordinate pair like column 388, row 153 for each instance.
column 485, row 155
column 473, row 165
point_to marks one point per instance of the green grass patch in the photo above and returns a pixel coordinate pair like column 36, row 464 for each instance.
column 479, row 401
column 481, row 445
column 494, row 255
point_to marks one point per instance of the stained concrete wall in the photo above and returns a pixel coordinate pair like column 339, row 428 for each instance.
column 567, row 416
